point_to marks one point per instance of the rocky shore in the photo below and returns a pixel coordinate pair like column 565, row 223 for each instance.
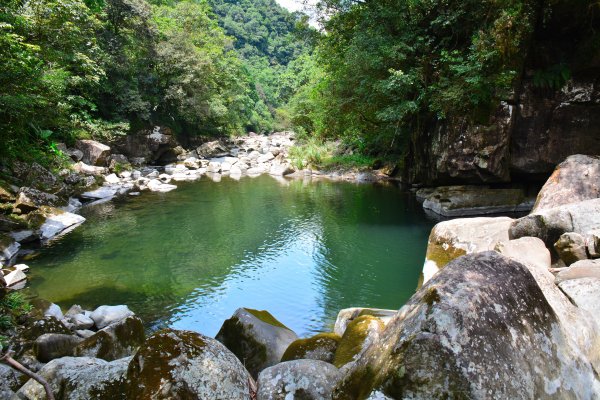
column 508, row 308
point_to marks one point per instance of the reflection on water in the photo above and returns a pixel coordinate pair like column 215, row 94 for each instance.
column 189, row 258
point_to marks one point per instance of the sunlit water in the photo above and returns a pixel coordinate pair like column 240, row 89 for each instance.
column 189, row 258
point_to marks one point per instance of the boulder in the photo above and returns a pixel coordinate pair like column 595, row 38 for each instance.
column 265, row 157
column 580, row 269
column 438, row 347
column 75, row 154
column 59, row 222
column 529, row 251
column 29, row 199
column 8, row 248
column 281, row 169
column 549, row 224
column 38, row 327
column 186, row 365
column 106, row 315
column 10, row 223
column 358, row 336
column 575, row 179
column 115, row 341
column 571, row 247
column 212, row 149
column 460, row 201
column 112, row 179
column 14, row 278
column 320, row 347
column 155, row 185
column 104, row 192
column 118, row 162
column 51, row 310
column 299, row 379
column 54, row 345
column 347, row 315
column 451, row 239
column 86, row 169
column 94, row 153
column 26, row 236
column 256, row 338
column 76, row 378
column 35, row 176
column 592, row 241
column 585, row 294
column 9, row 381
column 80, row 321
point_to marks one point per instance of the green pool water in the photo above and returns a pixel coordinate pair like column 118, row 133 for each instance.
column 187, row 259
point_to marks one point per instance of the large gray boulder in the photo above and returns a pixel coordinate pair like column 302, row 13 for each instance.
column 94, row 153
column 585, row 294
column 549, row 224
column 451, row 239
column 299, row 379
column 256, row 337
column 438, row 346
column 9, row 381
column 77, row 378
column 580, row 269
column 186, row 365
column 118, row 340
column 575, row 179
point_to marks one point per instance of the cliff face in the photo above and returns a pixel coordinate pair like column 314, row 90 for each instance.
column 530, row 133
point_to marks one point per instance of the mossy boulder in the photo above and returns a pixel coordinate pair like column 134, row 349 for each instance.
column 359, row 335
column 76, row 378
column 319, row 347
column 256, row 337
column 298, row 379
column 36, row 327
column 482, row 328
column 118, row 340
column 186, row 365
column 54, row 345
column 451, row 239
column 347, row 315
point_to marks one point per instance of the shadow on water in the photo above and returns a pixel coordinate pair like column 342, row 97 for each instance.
column 188, row 259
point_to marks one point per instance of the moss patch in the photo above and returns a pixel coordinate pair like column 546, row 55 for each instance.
column 441, row 256
column 266, row 317
column 354, row 337
column 324, row 343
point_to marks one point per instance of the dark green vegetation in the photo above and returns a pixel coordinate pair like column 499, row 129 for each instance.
column 103, row 68
column 388, row 71
column 13, row 308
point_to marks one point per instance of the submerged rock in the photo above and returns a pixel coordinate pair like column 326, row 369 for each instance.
column 299, row 379
column 256, row 338
column 438, row 346
column 575, row 179
column 186, row 365
column 320, row 347
column 77, row 378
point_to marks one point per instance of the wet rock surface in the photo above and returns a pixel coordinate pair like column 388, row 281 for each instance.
column 320, row 347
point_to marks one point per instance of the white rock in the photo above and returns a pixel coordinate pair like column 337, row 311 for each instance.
column 73, row 205
column 265, row 157
column 125, row 174
column 22, row 267
column 80, row 321
column 215, row 177
column 106, row 315
column 59, row 224
column 14, row 277
column 54, row 311
column 164, row 178
column 235, row 170
column 157, row 186
column 112, row 179
column 101, row 193
column 85, row 169
column 253, row 155
column 213, row 166
column 135, row 174
column 225, row 166
column 153, row 174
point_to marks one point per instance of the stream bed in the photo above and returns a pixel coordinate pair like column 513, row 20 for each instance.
column 189, row 258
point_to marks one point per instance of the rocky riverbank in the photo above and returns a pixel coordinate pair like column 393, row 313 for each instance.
column 508, row 308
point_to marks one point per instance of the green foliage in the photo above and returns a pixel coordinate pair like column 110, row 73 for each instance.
column 12, row 307
column 553, row 77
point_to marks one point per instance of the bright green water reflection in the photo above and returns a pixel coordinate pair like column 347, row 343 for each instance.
column 189, row 258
